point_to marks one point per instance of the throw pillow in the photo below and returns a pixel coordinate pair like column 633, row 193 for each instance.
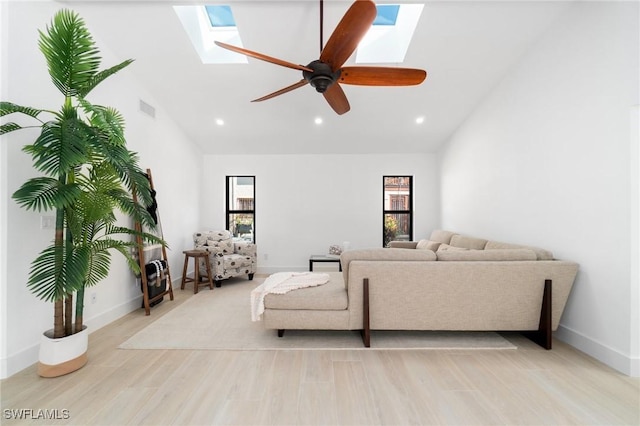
column 468, row 242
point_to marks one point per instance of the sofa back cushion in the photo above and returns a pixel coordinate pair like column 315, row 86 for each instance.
column 428, row 245
column 468, row 242
column 201, row 238
column 443, row 247
column 374, row 254
column 541, row 254
column 221, row 241
column 486, row 255
column 442, row 236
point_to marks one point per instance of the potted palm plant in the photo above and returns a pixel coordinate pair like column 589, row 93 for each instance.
column 89, row 175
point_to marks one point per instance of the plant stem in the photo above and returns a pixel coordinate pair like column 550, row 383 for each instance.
column 79, row 309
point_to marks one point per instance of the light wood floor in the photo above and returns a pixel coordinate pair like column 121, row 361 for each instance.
column 360, row 387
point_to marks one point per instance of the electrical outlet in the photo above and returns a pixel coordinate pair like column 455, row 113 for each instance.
column 94, row 298
column 47, row 222
column 266, row 256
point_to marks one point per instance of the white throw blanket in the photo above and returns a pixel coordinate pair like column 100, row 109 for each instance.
column 281, row 283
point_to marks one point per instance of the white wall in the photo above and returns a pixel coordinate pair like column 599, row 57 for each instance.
column 305, row 203
column 162, row 147
column 545, row 160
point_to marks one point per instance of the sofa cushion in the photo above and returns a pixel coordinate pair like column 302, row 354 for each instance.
column 331, row 296
column 441, row 236
column 219, row 235
column 487, row 255
column 444, row 247
column 382, row 254
column 224, row 246
column 403, row 244
column 234, row 261
column 541, row 254
column 428, row 245
column 468, row 242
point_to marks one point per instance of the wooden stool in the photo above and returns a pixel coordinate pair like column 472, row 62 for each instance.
column 196, row 254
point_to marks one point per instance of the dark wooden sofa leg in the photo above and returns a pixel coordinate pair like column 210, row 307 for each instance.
column 280, row 332
column 543, row 336
column 366, row 326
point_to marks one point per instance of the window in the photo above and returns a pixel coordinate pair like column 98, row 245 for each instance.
column 220, row 16
column 241, row 210
column 204, row 25
column 387, row 14
column 397, row 215
column 388, row 39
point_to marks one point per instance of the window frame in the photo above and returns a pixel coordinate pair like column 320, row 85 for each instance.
column 408, row 211
column 229, row 211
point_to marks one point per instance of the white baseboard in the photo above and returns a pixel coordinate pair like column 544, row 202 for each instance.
column 318, row 267
column 268, row 270
column 29, row 356
column 19, row 361
column 612, row 357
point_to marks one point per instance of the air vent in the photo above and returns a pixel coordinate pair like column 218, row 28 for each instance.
column 147, row 109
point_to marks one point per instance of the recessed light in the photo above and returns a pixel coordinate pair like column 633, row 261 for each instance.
column 219, row 121
column 420, row 120
column 318, row 120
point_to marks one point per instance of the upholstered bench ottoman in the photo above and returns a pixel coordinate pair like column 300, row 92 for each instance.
column 322, row 307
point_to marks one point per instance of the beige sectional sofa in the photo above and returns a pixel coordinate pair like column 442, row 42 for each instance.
column 447, row 282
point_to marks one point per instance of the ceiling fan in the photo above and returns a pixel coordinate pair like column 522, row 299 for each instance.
column 326, row 73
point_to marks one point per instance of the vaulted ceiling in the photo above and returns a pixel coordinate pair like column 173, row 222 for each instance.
column 466, row 47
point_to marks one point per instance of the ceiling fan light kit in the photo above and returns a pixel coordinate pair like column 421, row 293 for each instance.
column 326, row 74
column 322, row 76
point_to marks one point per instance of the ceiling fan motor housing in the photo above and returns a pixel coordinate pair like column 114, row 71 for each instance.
column 322, row 77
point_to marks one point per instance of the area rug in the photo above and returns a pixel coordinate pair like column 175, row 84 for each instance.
column 221, row 320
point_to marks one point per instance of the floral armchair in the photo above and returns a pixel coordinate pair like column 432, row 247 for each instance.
column 228, row 257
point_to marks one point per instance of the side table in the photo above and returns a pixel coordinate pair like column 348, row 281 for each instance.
column 196, row 255
column 323, row 258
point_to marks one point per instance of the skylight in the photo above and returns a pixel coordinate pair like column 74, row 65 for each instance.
column 388, row 38
column 206, row 24
column 220, row 16
column 387, row 14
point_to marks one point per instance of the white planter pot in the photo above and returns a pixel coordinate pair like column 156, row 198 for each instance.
column 64, row 355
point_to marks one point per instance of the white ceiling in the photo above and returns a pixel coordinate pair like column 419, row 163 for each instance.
column 466, row 47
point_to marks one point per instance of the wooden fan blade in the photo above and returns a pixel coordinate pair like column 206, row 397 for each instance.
column 282, row 91
column 263, row 57
column 345, row 38
column 337, row 99
column 381, row 76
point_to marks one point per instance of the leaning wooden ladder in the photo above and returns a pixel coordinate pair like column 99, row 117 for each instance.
column 142, row 249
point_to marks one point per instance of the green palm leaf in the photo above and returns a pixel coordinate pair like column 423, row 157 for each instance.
column 71, row 54
column 102, row 75
column 61, row 145
column 45, row 193
column 7, row 108
column 58, row 271
column 99, row 265
column 9, row 127
column 109, row 122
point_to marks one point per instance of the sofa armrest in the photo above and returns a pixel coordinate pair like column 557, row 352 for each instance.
column 246, row 248
column 403, row 244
